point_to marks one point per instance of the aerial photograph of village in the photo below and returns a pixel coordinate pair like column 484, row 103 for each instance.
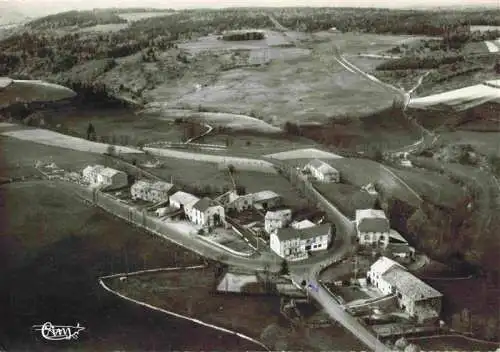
column 249, row 179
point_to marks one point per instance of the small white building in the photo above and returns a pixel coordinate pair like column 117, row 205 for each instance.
column 151, row 191
column 414, row 296
column 293, row 244
column 239, row 202
column 183, row 200
column 304, row 224
column 266, row 200
column 322, row 171
column 99, row 175
column 372, row 227
column 277, row 219
column 91, row 172
column 206, row 212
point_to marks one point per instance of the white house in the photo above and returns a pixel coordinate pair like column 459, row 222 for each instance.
column 372, row 227
column 90, row 173
column 323, row 172
column 277, row 219
column 414, row 296
column 206, row 212
column 151, row 191
column 293, row 244
column 266, row 200
column 304, row 224
column 239, row 202
column 98, row 175
column 183, row 200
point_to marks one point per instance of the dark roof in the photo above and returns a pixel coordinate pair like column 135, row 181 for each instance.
column 203, row 204
column 409, row 285
column 289, row 233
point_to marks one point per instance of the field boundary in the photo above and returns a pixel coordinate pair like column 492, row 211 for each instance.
column 230, row 250
column 194, row 320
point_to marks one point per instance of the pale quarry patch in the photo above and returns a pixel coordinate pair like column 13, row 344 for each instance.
column 303, row 153
column 55, row 139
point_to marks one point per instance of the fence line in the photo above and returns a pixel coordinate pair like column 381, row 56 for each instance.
column 230, row 250
column 150, row 271
column 197, row 321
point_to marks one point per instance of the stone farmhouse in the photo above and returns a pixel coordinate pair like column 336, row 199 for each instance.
column 151, row 191
column 414, row 296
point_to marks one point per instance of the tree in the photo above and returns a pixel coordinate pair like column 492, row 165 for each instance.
column 90, row 132
column 284, row 268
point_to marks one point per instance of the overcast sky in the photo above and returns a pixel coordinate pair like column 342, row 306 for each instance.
column 63, row 5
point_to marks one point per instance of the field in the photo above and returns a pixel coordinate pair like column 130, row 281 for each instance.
column 347, row 198
column 308, row 88
column 436, row 188
column 192, row 293
column 241, row 163
column 303, row 153
column 246, row 144
column 18, row 157
column 212, row 43
column 53, row 248
column 112, row 27
column 452, row 343
column 233, row 121
column 360, row 172
column 136, row 16
column 118, row 124
column 486, row 143
column 255, row 316
column 255, row 182
column 192, row 174
column 56, row 139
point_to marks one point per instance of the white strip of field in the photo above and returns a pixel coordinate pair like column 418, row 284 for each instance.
column 55, row 139
column 216, row 119
column 303, row 154
column 492, row 46
column 239, row 163
column 461, row 99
